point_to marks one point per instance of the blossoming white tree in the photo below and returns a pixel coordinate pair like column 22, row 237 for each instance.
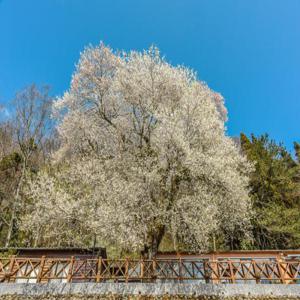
column 146, row 154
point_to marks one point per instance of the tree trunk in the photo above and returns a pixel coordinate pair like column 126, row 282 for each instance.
column 150, row 251
column 1, row 226
column 11, row 225
column 153, row 249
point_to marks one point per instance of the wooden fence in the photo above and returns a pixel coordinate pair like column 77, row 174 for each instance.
column 47, row 269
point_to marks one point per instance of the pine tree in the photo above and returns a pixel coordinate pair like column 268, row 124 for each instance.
column 297, row 151
column 275, row 193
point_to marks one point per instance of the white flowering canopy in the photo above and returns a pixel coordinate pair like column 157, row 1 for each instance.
column 146, row 154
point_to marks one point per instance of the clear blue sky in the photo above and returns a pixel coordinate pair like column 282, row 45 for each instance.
column 248, row 50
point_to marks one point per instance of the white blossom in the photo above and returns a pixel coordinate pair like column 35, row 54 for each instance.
column 146, row 153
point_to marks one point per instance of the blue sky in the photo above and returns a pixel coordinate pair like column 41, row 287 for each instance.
column 248, row 50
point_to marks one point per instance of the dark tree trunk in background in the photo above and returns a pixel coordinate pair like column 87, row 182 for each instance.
column 150, row 251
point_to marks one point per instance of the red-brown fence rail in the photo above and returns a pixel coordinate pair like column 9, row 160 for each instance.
column 47, row 269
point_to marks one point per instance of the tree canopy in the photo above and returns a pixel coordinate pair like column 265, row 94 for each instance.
column 145, row 153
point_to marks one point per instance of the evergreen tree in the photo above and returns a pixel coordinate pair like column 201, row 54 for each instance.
column 275, row 193
column 297, row 151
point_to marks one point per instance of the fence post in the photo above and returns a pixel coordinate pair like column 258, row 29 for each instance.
column 126, row 269
column 142, row 269
column 215, row 268
column 281, row 267
column 70, row 273
column 257, row 276
column 180, row 269
column 99, row 269
column 153, row 269
column 232, row 275
column 207, row 276
column 11, row 268
column 40, row 274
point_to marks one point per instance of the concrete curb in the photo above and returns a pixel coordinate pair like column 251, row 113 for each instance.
column 155, row 289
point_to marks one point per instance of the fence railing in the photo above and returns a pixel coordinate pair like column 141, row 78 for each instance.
column 47, row 269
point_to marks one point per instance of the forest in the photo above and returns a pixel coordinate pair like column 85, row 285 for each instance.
column 104, row 165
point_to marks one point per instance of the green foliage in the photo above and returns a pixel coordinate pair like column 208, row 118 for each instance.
column 275, row 192
column 297, row 150
column 12, row 160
